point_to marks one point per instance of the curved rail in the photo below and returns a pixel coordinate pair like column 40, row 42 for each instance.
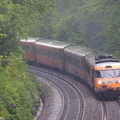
column 71, row 104
column 104, row 111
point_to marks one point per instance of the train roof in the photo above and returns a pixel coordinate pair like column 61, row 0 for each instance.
column 96, row 58
column 78, row 50
column 52, row 43
column 31, row 39
column 91, row 56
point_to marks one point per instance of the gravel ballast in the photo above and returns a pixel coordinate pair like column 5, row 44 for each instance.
column 52, row 104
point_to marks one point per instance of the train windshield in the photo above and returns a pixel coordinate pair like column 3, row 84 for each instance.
column 107, row 73
column 118, row 73
column 99, row 74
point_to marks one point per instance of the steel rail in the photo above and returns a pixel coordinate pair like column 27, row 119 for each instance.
column 104, row 111
column 81, row 101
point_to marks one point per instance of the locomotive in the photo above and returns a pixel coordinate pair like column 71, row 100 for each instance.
column 100, row 70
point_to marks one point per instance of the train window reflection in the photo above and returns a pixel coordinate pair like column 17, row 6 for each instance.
column 117, row 73
column 109, row 73
column 99, row 74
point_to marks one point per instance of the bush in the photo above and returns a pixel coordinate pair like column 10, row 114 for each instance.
column 18, row 89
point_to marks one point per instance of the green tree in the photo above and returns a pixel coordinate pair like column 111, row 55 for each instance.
column 18, row 90
column 107, row 13
column 93, row 23
column 17, row 18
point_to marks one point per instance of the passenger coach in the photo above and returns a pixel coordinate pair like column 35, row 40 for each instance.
column 50, row 52
column 29, row 48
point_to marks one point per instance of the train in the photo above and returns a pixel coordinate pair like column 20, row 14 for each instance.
column 100, row 70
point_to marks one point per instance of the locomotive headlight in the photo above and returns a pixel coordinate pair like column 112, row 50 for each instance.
column 118, row 81
column 99, row 82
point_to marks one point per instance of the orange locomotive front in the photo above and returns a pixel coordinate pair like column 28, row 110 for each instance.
column 107, row 77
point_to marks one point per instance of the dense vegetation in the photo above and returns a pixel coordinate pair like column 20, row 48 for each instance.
column 18, row 92
column 94, row 23
column 17, row 18
column 18, row 89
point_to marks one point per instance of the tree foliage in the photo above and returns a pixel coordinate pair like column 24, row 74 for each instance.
column 18, row 92
column 17, row 18
column 94, row 23
column 18, row 89
column 106, row 12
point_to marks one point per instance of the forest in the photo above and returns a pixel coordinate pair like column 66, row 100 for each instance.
column 93, row 23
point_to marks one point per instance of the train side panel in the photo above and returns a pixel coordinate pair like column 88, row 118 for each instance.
column 50, row 54
column 73, row 64
column 29, row 49
column 89, row 73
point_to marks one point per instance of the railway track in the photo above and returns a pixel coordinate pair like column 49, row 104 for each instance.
column 104, row 111
column 85, row 105
column 111, row 110
column 73, row 101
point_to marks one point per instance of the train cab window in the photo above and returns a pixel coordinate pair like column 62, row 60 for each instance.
column 109, row 73
column 117, row 72
column 98, row 74
column 104, row 73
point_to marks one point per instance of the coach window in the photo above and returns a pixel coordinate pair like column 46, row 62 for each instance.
column 41, row 52
column 23, row 47
column 55, row 55
column 65, row 56
column 44, row 52
column 52, row 54
column 38, row 50
column 26, row 48
column 48, row 52
column 69, row 59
